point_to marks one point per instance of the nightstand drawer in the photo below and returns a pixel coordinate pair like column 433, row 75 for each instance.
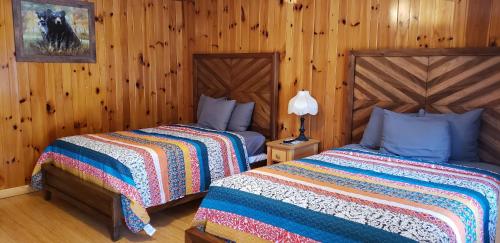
column 304, row 152
column 278, row 155
column 277, row 151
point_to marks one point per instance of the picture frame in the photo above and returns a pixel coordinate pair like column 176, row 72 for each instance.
column 54, row 31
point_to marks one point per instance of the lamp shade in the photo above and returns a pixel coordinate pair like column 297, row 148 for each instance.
column 302, row 104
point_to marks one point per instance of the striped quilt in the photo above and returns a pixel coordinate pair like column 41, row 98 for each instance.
column 148, row 167
column 349, row 195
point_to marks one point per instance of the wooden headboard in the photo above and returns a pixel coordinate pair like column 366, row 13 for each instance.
column 439, row 80
column 243, row 77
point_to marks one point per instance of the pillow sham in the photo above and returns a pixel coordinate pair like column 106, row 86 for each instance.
column 201, row 104
column 372, row 136
column 216, row 113
column 241, row 117
column 464, row 129
column 417, row 137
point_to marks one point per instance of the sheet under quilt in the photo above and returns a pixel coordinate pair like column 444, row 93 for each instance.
column 351, row 195
column 148, row 167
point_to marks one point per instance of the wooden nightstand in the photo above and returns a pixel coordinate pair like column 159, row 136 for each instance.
column 279, row 152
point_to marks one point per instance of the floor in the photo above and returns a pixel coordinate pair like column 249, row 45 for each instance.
column 29, row 218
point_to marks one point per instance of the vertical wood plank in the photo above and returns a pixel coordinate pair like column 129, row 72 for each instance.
column 388, row 23
column 443, row 21
column 245, row 25
column 494, row 32
column 402, row 36
column 459, row 22
column 478, row 23
column 319, row 65
column 253, row 38
column 413, row 35
column 12, row 149
column 174, row 105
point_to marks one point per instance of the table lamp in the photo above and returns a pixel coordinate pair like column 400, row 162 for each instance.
column 302, row 104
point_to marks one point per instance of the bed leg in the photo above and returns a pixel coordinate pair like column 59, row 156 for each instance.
column 47, row 195
column 116, row 219
column 115, row 233
column 187, row 236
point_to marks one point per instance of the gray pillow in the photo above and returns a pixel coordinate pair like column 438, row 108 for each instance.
column 216, row 113
column 417, row 137
column 372, row 136
column 201, row 104
column 464, row 130
column 241, row 117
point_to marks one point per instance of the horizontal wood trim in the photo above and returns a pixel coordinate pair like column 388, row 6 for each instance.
column 15, row 191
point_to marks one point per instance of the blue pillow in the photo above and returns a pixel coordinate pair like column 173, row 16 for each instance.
column 372, row 136
column 201, row 104
column 241, row 117
column 416, row 137
column 464, row 130
column 216, row 113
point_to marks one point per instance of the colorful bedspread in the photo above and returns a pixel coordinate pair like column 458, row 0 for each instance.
column 348, row 195
column 148, row 167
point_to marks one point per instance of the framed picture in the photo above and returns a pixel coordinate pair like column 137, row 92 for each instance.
column 54, row 31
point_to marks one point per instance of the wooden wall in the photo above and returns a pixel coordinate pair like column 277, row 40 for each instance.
column 314, row 36
column 142, row 75
column 136, row 82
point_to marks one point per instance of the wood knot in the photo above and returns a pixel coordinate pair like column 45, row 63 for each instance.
column 99, row 19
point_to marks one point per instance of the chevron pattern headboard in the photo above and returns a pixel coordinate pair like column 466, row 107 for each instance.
column 441, row 80
column 243, row 77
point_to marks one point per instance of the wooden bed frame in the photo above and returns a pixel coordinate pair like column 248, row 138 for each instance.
column 243, row 77
column 439, row 80
column 214, row 75
column 405, row 80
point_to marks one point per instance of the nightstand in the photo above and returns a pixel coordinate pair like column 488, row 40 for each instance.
column 277, row 151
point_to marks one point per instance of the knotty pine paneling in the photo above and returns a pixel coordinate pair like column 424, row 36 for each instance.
column 143, row 72
column 136, row 82
column 314, row 36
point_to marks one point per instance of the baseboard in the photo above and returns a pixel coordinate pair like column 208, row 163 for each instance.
column 20, row 190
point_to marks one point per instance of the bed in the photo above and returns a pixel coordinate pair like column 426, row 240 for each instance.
column 127, row 174
column 354, row 194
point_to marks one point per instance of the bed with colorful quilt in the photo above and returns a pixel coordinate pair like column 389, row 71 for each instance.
column 352, row 195
column 146, row 167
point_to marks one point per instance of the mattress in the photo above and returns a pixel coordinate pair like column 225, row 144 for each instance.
column 257, row 158
column 254, row 141
column 478, row 165
column 353, row 195
column 470, row 164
